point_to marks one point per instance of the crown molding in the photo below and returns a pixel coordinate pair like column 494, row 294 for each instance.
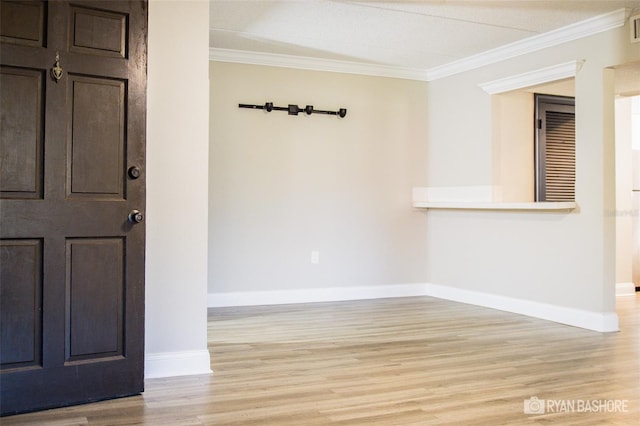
column 314, row 64
column 532, row 78
column 575, row 31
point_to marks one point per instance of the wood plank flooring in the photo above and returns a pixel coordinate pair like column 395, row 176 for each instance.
column 403, row 361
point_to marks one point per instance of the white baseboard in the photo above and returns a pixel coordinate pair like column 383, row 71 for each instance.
column 169, row 364
column 625, row 289
column 311, row 295
column 597, row 321
column 603, row 322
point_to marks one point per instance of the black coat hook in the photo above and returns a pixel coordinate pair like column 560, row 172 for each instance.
column 295, row 109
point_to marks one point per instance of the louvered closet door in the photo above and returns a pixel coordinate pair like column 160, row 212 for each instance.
column 556, row 152
column 560, row 156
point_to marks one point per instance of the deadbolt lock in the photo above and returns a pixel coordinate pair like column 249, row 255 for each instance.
column 133, row 172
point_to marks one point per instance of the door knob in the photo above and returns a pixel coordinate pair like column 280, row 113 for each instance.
column 133, row 172
column 136, row 216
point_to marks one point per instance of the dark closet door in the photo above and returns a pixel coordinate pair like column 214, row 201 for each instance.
column 555, row 148
column 73, row 113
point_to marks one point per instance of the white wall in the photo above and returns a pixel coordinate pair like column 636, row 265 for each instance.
column 177, row 167
column 635, row 166
column 513, row 147
column 552, row 259
column 282, row 186
column 624, row 176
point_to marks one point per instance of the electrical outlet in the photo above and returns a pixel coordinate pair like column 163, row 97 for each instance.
column 315, row 257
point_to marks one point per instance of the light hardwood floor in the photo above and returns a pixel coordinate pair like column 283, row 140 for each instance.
column 400, row 361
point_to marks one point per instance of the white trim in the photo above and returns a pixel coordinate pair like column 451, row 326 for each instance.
column 532, row 78
column 625, row 289
column 478, row 197
column 169, row 364
column 545, row 206
column 603, row 322
column 597, row 321
column 575, row 31
column 310, row 295
column 314, row 64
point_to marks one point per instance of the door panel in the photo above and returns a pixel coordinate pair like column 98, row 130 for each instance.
column 95, row 278
column 98, row 32
column 22, row 118
column 72, row 264
column 96, row 131
column 21, row 303
column 23, row 23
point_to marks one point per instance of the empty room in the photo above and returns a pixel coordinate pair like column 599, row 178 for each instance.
column 289, row 212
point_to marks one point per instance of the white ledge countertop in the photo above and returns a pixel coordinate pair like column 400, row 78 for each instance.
column 488, row 205
column 478, row 197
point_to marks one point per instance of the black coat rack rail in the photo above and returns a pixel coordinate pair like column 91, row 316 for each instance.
column 295, row 109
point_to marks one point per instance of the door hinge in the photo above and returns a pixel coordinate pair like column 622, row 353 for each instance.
column 539, row 124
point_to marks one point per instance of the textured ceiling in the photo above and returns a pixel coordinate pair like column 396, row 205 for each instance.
column 408, row 34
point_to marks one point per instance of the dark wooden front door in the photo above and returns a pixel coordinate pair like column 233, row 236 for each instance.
column 73, row 117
